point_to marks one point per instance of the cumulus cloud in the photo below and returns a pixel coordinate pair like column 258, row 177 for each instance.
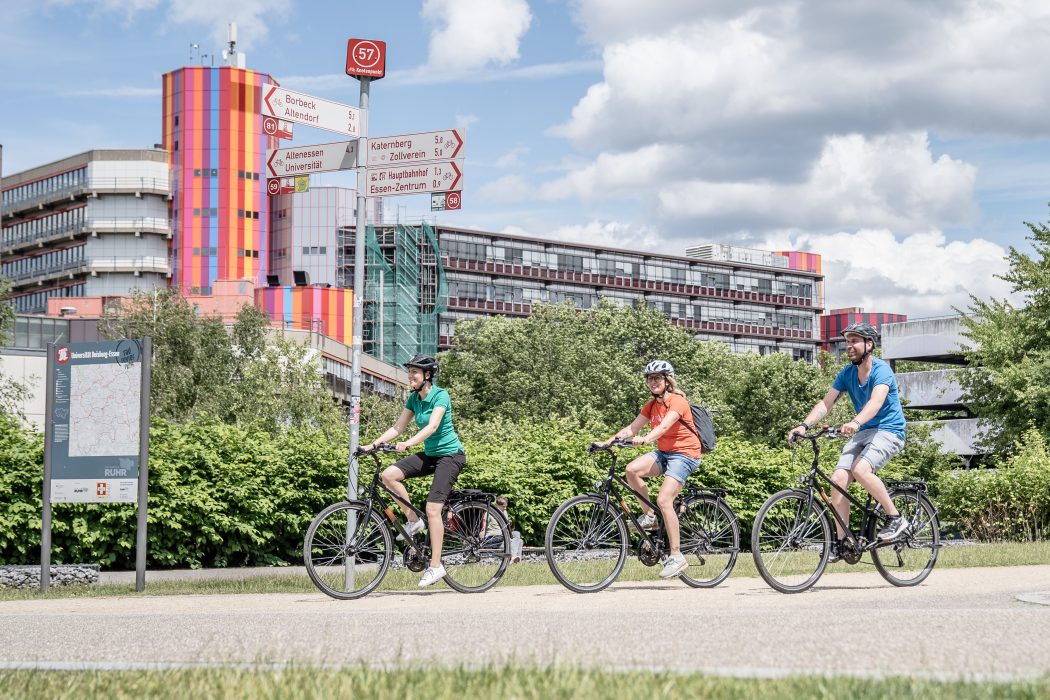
column 892, row 181
column 608, row 234
column 509, row 188
column 920, row 274
column 471, row 34
column 252, row 17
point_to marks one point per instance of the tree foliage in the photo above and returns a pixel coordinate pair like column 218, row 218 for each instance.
column 1008, row 378
column 241, row 375
column 12, row 392
column 586, row 365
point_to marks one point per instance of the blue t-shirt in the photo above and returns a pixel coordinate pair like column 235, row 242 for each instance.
column 444, row 441
column 891, row 416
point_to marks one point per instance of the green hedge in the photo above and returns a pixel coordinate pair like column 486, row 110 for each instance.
column 223, row 495
column 1011, row 502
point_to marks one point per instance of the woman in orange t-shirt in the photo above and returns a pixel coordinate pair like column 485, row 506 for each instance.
column 676, row 457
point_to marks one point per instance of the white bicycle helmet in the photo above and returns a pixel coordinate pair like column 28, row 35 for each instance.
column 659, row 367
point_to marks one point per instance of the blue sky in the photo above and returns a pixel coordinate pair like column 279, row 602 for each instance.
column 905, row 142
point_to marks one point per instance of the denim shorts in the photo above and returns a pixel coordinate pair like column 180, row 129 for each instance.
column 676, row 465
column 877, row 447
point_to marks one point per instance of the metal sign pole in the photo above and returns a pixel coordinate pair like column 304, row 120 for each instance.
column 143, row 490
column 359, row 292
column 49, row 435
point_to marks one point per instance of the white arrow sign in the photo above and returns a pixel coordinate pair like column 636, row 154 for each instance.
column 319, row 158
column 313, row 111
column 415, row 148
column 441, row 176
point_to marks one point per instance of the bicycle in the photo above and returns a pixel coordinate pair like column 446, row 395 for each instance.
column 349, row 546
column 587, row 537
column 791, row 538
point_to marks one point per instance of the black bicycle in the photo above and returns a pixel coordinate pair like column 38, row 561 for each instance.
column 791, row 539
column 350, row 545
column 587, row 537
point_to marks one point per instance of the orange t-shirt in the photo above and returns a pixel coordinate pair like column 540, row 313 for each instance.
column 679, row 437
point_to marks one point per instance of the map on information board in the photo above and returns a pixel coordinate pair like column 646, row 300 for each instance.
column 104, row 410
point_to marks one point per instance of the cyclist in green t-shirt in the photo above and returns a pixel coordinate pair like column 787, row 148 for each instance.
column 442, row 454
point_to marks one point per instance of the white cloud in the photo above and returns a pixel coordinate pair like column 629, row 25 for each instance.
column 474, row 33
column 892, row 181
column 465, row 120
column 511, row 158
column 609, row 234
column 509, row 188
column 920, row 274
column 251, row 16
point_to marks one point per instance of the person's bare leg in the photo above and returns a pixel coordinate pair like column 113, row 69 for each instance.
column 637, row 471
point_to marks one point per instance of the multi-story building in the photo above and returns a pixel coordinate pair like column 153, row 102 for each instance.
column 751, row 302
column 938, row 341
column 306, row 231
column 93, row 224
column 833, row 322
column 212, row 131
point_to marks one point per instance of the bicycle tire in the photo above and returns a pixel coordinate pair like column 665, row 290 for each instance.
column 327, row 544
column 893, row 559
column 471, row 564
column 710, row 540
column 782, row 556
column 583, row 536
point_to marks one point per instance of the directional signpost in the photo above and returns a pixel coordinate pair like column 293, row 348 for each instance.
column 288, row 185
column 439, row 176
column 415, row 148
column 297, row 107
column 273, row 126
column 319, row 158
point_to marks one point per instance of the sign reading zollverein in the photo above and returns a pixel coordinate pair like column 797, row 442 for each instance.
column 96, row 413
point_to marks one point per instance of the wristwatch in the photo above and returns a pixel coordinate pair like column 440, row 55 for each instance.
column 805, row 425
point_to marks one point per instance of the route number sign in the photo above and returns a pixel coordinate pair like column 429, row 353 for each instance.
column 366, row 58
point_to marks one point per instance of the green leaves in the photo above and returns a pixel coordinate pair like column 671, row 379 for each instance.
column 1008, row 380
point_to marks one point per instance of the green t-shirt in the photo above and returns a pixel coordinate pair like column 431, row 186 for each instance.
column 444, row 441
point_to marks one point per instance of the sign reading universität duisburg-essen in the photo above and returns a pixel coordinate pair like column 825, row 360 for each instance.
column 96, row 409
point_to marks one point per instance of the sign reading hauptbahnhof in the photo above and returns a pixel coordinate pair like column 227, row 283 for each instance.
column 96, row 409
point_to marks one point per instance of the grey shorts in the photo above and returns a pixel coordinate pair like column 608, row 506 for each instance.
column 877, row 447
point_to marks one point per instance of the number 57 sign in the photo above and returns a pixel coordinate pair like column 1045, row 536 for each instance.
column 366, row 58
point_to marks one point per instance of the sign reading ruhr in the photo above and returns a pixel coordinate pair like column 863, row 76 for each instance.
column 313, row 111
column 442, row 176
column 319, row 158
column 415, row 148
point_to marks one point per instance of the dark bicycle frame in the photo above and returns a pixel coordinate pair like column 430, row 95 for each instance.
column 373, row 496
column 607, row 489
column 871, row 516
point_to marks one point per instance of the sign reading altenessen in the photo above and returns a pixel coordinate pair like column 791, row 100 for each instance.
column 96, row 413
column 297, row 107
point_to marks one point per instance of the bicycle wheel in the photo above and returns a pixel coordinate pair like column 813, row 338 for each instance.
column 791, row 541
column 710, row 540
column 586, row 544
column 474, row 556
column 910, row 559
column 347, row 554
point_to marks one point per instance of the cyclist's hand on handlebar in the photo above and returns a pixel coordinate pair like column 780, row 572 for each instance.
column 637, row 440
column 794, row 434
column 402, row 447
column 848, row 429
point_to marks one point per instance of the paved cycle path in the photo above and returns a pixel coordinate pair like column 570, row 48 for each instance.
column 975, row 623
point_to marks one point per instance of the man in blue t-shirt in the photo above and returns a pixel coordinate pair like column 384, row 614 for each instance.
column 877, row 431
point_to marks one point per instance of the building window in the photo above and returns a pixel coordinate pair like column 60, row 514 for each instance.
column 255, row 215
column 196, row 172
column 196, row 211
column 214, row 172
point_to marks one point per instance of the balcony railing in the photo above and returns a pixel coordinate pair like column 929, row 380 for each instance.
column 93, row 265
column 596, row 280
column 94, row 185
column 138, row 225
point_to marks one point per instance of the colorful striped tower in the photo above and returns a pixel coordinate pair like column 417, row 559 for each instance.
column 325, row 310
column 212, row 131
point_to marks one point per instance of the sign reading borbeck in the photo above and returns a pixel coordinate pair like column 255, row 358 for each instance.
column 297, row 107
column 96, row 411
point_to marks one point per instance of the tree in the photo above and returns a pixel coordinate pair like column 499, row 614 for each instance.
column 240, row 376
column 580, row 364
column 12, row 393
column 1008, row 377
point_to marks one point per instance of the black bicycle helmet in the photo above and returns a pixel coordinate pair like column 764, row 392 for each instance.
column 864, row 330
column 423, row 362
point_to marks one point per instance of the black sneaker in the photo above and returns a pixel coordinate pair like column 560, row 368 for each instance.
column 895, row 527
column 836, row 553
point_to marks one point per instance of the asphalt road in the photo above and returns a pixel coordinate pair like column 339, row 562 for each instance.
column 972, row 623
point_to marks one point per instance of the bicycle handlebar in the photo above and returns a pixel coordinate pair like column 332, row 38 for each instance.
column 825, row 432
column 384, row 447
column 599, row 447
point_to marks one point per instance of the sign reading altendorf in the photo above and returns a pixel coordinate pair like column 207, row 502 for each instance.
column 300, row 108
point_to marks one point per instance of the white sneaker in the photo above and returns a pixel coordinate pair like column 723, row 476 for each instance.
column 648, row 522
column 432, row 576
column 413, row 527
column 674, row 565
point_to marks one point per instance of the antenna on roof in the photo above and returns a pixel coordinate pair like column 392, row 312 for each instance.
column 230, row 54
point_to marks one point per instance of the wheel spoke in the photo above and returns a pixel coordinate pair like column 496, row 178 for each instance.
column 586, row 544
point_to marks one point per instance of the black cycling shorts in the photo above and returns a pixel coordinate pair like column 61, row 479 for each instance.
column 445, row 468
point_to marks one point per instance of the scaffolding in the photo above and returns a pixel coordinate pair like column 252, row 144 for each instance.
column 405, row 290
